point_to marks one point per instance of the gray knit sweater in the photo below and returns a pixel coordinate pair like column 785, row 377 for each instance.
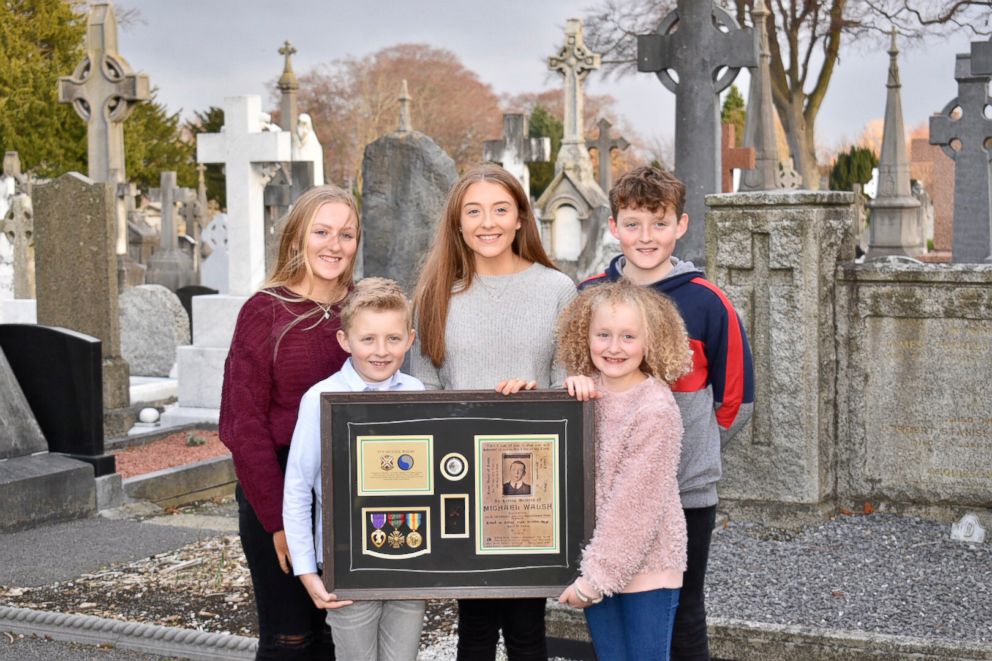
column 501, row 327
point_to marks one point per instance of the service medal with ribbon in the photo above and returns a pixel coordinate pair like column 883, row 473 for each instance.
column 378, row 536
column 413, row 519
column 396, row 538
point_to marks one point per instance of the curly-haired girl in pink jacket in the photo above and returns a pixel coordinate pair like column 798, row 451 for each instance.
column 624, row 345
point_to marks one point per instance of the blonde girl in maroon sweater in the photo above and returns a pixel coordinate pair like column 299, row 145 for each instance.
column 285, row 341
column 624, row 346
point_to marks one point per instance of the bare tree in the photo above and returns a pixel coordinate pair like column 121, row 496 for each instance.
column 805, row 40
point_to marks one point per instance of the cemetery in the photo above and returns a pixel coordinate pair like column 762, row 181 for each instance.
column 855, row 505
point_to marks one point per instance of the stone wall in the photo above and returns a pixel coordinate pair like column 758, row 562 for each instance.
column 871, row 380
column 915, row 412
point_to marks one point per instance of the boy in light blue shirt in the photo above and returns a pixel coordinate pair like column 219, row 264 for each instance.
column 377, row 330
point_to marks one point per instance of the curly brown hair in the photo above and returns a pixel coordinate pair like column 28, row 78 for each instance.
column 378, row 294
column 650, row 188
column 666, row 344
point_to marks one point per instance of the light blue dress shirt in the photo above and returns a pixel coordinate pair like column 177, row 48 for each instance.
column 306, row 540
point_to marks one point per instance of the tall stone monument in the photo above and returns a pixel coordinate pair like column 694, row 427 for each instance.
column 573, row 208
column 759, row 126
column 972, row 231
column 689, row 42
column 896, row 227
column 103, row 90
column 775, row 255
column 604, row 146
column 169, row 266
column 515, row 149
column 76, row 217
column 247, row 153
column 306, row 167
column 406, row 181
column 18, row 228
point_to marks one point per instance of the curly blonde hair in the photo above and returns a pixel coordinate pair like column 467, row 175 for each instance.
column 666, row 344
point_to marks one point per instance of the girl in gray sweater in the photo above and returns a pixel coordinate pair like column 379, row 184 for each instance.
column 485, row 307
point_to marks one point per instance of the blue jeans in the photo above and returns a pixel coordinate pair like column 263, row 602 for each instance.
column 634, row 626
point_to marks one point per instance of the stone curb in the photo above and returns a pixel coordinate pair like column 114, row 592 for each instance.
column 183, row 484
column 740, row 639
column 146, row 638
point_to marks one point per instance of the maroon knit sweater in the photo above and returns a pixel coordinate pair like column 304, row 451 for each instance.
column 262, row 390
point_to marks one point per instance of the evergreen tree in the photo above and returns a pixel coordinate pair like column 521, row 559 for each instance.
column 42, row 40
column 544, row 125
column 153, row 144
column 734, row 112
column 211, row 120
column 851, row 168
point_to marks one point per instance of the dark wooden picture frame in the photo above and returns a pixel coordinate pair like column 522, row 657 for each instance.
column 399, row 469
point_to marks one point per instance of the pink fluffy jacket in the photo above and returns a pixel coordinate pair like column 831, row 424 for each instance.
column 640, row 527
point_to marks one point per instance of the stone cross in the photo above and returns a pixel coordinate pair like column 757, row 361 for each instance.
column 243, row 148
column 896, row 227
column 964, row 139
column 689, row 41
column 288, row 85
column 786, row 175
column 760, row 278
column 405, row 124
column 759, row 127
column 515, row 150
column 574, row 62
column 732, row 158
column 103, row 90
column 18, row 227
column 604, row 146
column 169, row 266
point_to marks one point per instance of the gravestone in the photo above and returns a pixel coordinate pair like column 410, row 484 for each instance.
column 73, row 217
column 247, row 152
column 964, row 140
column 60, row 374
column 604, row 146
column 103, row 90
column 689, row 42
column 153, row 324
column 18, row 228
column 169, row 266
column 935, row 170
column 789, row 179
column 573, row 209
column 895, row 219
column 19, row 431
column 406, row 178
column 213, row 272
column 733, row 158
column 35, row 486
column 185, row 296
column 8, row 188
column 515, row 149
column 759, row 125
column 775, row 254
column 917, row 360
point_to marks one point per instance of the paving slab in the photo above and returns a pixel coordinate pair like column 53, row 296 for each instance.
column 60, row 552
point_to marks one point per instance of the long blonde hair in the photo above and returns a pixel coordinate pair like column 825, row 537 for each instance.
column 666, row 344
column 292, row 264
column 450, row 264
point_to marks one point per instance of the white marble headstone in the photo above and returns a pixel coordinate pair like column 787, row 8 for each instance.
column 213, row 271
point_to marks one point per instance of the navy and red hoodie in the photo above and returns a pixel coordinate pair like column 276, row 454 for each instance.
column 717, row 397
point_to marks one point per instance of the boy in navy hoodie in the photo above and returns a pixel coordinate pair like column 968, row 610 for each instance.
column 717, row 397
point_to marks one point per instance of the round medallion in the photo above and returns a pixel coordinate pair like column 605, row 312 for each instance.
column 413, row 540
column 454, row 466
column 404, row 462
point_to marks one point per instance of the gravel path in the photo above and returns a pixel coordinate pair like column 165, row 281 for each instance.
column 877, row 573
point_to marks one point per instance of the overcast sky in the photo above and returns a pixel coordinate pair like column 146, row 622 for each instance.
column 199, row 51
